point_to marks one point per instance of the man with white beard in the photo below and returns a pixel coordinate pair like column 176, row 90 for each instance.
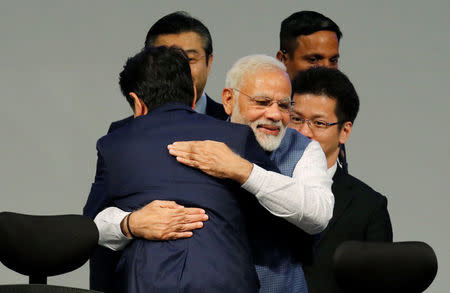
column 258, row 93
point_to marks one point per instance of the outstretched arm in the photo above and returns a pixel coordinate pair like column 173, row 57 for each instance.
column 158, row 220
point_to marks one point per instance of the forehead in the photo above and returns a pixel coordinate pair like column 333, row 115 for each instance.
column 271, row 83
column 322, row 42
column 188, row 41
column 311, row 105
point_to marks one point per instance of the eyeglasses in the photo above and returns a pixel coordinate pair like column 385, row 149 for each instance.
column 262, row 102
column 313, row 123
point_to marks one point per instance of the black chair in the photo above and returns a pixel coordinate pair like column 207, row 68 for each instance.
column 384, row 267
column 43, row 246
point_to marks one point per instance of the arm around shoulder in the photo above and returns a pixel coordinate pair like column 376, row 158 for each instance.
column 305, row 199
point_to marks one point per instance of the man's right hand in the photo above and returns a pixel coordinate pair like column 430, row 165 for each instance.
column 164, row 220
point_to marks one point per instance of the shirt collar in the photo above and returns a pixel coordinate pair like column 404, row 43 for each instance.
column 200, row 105
column 332, row 170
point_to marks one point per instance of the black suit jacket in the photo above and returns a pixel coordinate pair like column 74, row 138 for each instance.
column 217, row 258
column 104, row 260
column 361, row 214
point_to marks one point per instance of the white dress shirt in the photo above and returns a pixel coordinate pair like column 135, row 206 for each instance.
column 200, row 105
column 305, row 199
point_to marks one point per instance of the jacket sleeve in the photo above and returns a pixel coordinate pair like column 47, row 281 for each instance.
column 98, row 199
column 379, row 227
column 98, row 196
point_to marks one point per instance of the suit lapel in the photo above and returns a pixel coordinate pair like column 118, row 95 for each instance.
column 343, row 196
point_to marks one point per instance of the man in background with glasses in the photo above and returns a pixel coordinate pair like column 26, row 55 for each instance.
column 325, row 108
column 298, row 200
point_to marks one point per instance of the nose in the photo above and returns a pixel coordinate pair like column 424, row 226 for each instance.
column 323, row 63
column 273, row 113
column 305, row 130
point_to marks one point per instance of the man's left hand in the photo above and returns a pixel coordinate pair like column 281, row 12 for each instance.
column 212, row 157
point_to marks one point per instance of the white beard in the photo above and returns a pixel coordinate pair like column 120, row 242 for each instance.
column 268, row 142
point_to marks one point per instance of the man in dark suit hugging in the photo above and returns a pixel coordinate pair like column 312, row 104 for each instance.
column 137, row 169
column 326, row 105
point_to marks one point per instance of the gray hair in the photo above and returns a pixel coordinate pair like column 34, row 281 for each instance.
column 249, row 65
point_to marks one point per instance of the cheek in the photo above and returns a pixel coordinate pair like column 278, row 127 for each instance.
column 329, row 143
column 199, row 71
column 334, row 66
column 300, row 64
column 249, row 113
column 294, row 126
column 320, row 139
column 194, row 72
column 285, row 118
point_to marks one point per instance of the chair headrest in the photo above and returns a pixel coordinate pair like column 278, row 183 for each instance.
column 46, row 245
column 384, row 267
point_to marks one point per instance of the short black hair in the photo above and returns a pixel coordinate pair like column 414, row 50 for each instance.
column 177, row 23
column 304, row 23
column 330, row 82
column 158, row 75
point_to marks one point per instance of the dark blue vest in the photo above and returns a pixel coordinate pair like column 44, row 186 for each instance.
column 279, row 269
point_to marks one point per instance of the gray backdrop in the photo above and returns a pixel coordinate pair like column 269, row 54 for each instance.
column 58, row 79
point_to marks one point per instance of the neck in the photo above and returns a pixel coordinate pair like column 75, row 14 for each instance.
column 331, row 159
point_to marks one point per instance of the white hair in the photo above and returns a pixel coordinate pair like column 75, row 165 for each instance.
column 249, row 65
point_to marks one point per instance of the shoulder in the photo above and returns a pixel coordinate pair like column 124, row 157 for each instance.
column 117, row 124
column 110, row 138
column 118, row 133
column 364, row 191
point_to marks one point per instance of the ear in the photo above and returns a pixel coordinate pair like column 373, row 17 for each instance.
column 281, row 56
column 210, row 60
column 228, row 100
column 344, row 134
column 139, row 106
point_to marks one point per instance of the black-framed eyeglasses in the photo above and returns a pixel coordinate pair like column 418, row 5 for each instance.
column 263, row 102
column 312, row 123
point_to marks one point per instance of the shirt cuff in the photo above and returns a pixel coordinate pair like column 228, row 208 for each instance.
column 110, row 233
column 255, row 180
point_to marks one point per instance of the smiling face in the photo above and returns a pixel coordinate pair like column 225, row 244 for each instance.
column 268, row 123
column 320, row 108
column 192, row 44
column 318, row 49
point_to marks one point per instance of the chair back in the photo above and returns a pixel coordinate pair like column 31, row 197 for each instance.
column 42, row 246
column 384, row 267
